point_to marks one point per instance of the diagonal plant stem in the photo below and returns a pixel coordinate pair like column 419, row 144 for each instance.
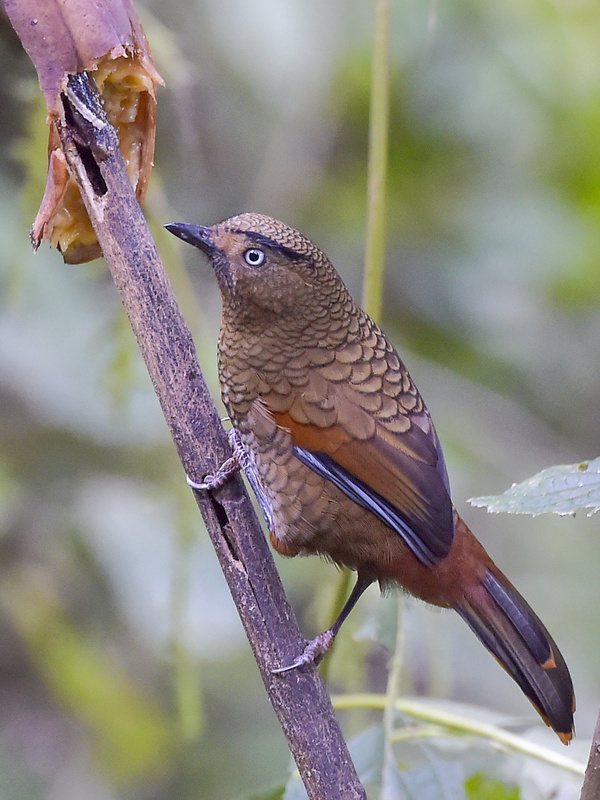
column 591, row 782
column 299, row 698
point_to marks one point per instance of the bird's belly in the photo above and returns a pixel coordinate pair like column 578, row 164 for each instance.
column 308, row 514
column 312, row 516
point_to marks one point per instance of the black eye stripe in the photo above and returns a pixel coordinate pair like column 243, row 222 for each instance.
column 264, row 241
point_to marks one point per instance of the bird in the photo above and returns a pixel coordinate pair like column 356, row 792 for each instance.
column 342, row 452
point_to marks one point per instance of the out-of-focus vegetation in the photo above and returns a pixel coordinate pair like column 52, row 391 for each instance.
column 562, row 489
column 123, row 670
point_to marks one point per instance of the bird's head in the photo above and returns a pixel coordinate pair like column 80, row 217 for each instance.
column 265, row 266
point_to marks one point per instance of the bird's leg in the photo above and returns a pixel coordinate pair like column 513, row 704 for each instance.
column 317, row 647
column 240, row 459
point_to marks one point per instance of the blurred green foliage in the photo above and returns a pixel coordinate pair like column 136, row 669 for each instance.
column 130, row 731
column 481, row 788
column 123, row 670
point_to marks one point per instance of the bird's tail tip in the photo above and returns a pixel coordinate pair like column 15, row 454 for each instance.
column 509, row 629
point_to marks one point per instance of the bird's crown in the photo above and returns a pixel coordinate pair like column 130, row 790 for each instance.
column 264, row 230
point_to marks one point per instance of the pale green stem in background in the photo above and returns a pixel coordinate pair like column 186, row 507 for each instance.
column 373, row 292
column 460, row 724
column 377, row 171
column 377, row 163
column 391, row 696
column 339, row 598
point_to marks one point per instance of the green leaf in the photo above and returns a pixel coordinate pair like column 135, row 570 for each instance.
column 480, row 787
column 439, row 780
column 381, row 624
column 270, row 794
column 563, row 489
column 366, row 750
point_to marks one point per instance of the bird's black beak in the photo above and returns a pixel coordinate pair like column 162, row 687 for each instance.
column 197, row 235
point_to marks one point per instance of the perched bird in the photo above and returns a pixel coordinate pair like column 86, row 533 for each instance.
column 342, row 452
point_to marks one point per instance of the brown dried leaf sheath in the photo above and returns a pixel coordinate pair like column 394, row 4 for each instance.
column 105, row 38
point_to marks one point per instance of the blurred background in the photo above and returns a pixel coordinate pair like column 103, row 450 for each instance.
column 124, row 672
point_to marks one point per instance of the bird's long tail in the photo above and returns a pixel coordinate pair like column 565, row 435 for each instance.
column 507, row 626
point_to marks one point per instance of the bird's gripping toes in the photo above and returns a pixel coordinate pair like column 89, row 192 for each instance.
column 342, row 452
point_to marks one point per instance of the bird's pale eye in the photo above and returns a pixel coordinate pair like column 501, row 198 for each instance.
column 254, row 257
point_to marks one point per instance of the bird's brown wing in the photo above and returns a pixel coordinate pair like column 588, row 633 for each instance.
column 399, row 477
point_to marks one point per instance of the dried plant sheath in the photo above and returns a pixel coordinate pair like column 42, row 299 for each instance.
column 69, row 36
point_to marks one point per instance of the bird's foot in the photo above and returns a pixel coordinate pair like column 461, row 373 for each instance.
column 313, row 652
column 221, row 476
column 240, row 460
column 228, row 468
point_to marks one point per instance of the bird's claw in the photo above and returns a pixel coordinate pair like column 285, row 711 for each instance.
column 220, row 477
column 239, row 460
column 313, row 652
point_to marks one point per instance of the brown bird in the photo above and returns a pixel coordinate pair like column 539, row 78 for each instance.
column 343, row 455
